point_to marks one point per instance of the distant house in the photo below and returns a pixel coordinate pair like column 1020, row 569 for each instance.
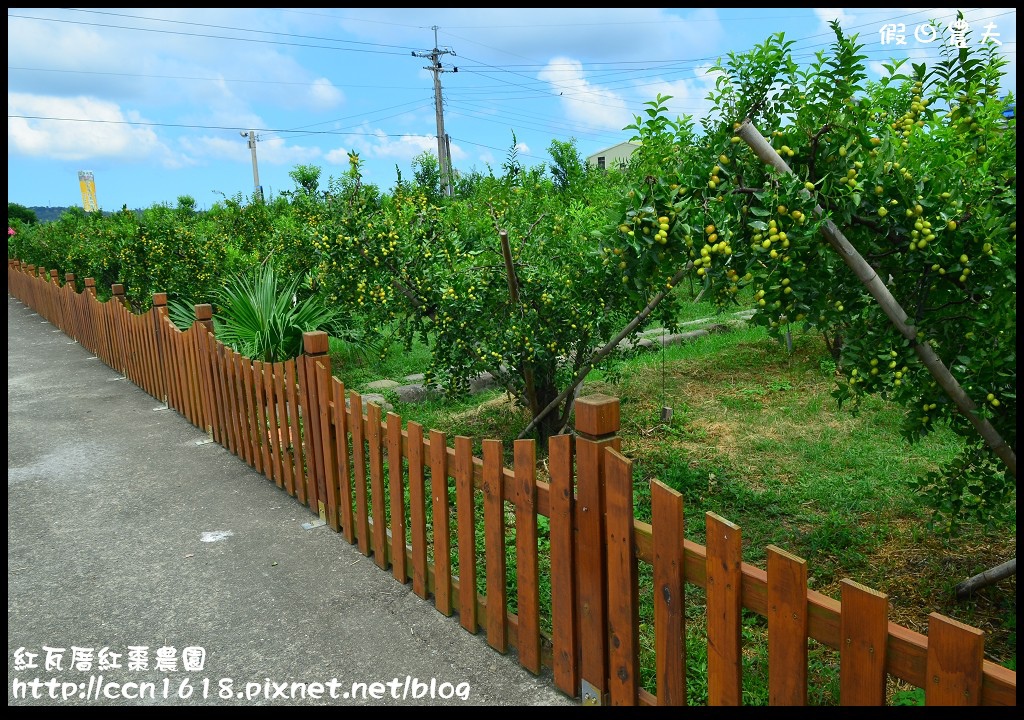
column 616, row 156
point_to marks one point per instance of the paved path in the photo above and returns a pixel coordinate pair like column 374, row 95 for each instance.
column 122, row 531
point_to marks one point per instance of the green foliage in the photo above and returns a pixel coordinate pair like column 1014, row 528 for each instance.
column 908, row 697
column 260, row 316
column 20, row 214
column 307, row 178
column 919, row 173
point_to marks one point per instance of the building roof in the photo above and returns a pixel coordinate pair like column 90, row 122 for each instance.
column 606, row 150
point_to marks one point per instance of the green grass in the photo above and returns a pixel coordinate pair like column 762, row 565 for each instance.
column 357, row 365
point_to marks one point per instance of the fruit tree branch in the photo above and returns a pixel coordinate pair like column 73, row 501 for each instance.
column 984, row 579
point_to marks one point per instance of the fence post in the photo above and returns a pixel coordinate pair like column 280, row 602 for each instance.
column 162, row 361
column 70, row 326
column 57, row 309
column 315, row 347
column 597, row 425
column 204, row 316
column 117, row 291
column 93, row 332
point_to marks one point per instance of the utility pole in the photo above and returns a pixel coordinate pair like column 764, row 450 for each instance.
column 443, row 156
column 257, row 190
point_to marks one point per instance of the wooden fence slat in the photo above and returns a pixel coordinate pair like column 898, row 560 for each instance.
column 591, row 564
column 181, row 359
column 147, row 354
column 359, row 472
column 787, row 628
column 238, row 409
column 273, row 430
column 417, row 510
column 396, row 487
column 123, row 316
column 204, row 368
column 466, row 528
column 956, row 653
column 564, row 630
column 200, row 390
column 192, row 373
column 241, row 416
column 342, row 460
column 310, row 427
column 215, row 404
column 174, row 343
column 231, row 366
column 165, row 357
column 313, row 419
column 270, row 435
column 226, row 397
column 328, row 443
column 295, row 429
column 285, row 432
column 260, row 408
column 152, row 352
column 241, row 421
column 724, row 602
column 227, row 393
column 527, row 562
column 129, row 336
column 177, row 358
column 494, row 544
column 864, row 628
column 441, row 522
column 668, row 525
column 375, row 450
column 307, row 416
column 252, row 429
column 623, row 602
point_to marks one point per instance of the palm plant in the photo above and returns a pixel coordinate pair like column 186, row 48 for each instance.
column 260, row 315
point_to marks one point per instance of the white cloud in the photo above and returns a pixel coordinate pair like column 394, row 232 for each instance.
column 592, row 106
column 269, row 151
column 78, row 140
column 324, row 95
column 398, row 151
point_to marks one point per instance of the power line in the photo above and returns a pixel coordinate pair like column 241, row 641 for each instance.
column 233, row 128
column 213, row 37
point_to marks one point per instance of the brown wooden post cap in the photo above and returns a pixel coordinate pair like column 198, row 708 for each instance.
column 315, row 343
column 90, row 282
column 597, row 415
column 117, row 289
column 53, row 275
column 160, row 299
column 69, row 278
column 204, row 312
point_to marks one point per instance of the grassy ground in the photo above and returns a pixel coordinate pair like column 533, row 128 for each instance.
column 755, row 437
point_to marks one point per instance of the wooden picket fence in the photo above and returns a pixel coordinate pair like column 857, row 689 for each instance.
column 414, row 504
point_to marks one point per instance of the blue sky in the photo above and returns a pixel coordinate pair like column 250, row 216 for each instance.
column 153, row 101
